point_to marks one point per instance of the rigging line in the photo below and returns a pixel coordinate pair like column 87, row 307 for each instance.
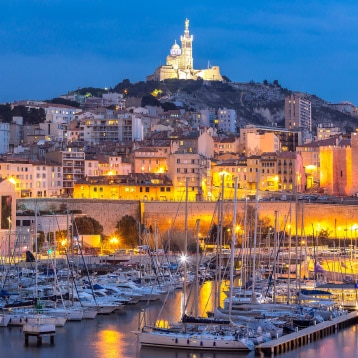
column 74, row 225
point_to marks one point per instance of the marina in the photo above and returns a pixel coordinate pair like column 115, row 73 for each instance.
column 246, row 313
column 112, row 336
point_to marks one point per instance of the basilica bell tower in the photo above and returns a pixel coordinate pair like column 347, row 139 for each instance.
column 187, row 49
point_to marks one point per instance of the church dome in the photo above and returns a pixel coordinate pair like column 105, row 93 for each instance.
column 175, row 49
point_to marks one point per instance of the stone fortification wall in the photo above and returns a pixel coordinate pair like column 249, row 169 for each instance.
column 339, row 219
column 336, row 218
column 106, row 212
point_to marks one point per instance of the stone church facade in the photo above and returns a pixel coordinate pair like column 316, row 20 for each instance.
column 179, row 63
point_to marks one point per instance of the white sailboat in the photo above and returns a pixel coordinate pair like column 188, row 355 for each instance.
column 38, row 323
column 196, row 332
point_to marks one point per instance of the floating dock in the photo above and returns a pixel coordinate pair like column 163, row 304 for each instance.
column 306, row 335
column 39, row 331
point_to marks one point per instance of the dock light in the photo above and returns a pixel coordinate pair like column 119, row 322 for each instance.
column 183, row 258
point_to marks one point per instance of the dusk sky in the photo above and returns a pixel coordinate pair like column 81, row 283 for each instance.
column 50, row 47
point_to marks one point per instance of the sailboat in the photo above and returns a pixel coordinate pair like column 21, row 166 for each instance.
column 197, row 333
column 38, row 323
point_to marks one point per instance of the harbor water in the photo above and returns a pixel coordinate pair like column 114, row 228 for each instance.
column 113, row 336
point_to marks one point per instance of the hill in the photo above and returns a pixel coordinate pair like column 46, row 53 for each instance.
column 255, row 103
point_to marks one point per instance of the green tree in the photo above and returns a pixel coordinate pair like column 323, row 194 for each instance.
column 127, row 230
column 149, row 100
column 40, row 241
column 64, row 101
column 85, row 225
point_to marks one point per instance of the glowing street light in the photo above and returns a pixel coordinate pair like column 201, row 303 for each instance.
column 183, row 258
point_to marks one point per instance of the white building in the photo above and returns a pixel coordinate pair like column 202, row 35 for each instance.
column 207, row 117
column 298, row 112
column 47, row 180
column 60, row 113
column 227, row 120
column 4, row 137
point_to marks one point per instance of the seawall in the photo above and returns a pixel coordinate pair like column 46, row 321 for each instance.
column 340, row 220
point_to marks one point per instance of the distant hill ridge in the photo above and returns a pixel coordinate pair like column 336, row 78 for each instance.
column 255, row 103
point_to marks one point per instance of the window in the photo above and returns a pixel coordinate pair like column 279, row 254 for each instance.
column 147, row 189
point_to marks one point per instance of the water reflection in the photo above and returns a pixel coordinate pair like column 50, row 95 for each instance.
column 113, row 336
column 158, row 353
column 109, row 344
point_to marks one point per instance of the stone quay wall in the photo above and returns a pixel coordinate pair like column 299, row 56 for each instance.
column 106, row 212
column 340, row 220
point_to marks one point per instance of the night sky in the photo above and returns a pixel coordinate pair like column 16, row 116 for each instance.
column 50, row 47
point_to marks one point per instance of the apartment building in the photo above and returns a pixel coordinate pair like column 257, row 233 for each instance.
column 226, row 120
column 298, row 112
column 135, row 186
column 188, row 166
column 223, row 174
column 151, row 159
column 4, row 138
column 226, row 145
column 108, row 165
column 290, row 171
column 73, row 166
column 33, row 179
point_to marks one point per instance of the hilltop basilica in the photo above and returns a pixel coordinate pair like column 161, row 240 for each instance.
column 179, row 63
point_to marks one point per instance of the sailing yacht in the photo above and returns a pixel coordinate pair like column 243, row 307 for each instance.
column 194, row 332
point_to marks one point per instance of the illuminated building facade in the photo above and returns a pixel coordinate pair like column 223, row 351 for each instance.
column 136, row 186
column 339, row 172
column 96, row 165
column 180, row 64
column 192, row 166
column 150, row 159
column 226, row 145
column 290, row 171
column 33, row 179
column 73, row 166
column 310, row 153
column 325, row 131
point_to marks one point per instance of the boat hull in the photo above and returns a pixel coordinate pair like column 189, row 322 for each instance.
column 192, row 341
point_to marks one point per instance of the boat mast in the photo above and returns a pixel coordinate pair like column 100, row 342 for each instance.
column 253, row 296
column 233, row 241
column 196, row 296
column 219, row 242
column 185, row 245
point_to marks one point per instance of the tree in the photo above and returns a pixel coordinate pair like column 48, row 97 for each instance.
column 149, row 100
column 64, row 101
column 127, row 229
column 86, row 225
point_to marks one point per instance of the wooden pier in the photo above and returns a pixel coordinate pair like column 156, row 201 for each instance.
column 306, row 335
